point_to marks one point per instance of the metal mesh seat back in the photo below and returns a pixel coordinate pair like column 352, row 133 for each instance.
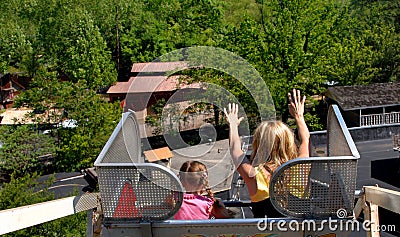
column 318, row 187
column 314, row 187
column 124, row 144
column 141, row 192
column 332, row 186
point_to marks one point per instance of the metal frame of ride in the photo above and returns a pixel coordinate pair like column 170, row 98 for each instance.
column 150, row 220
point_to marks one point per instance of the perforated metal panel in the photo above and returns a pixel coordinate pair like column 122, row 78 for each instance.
column 124, row 145
column 315, row 187
column 130, row 189
column 318, row 187
column 340, row 142
column 140, row 192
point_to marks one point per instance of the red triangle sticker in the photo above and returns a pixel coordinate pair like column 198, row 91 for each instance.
column 126, row 206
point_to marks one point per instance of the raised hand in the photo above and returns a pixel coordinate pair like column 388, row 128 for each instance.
column 232, row 114
column 296, row 104
column 235, row 146
column 296, row 109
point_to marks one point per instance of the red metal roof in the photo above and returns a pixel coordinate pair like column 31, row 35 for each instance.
column 142, row 84
column 119, row 87
column 158, row 66
column 152, row 83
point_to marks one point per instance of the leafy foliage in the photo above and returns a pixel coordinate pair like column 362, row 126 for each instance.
column 95, row 118
column 22, row 149
column 169, row 25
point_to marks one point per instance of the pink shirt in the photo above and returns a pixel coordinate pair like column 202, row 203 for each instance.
column 194, row 207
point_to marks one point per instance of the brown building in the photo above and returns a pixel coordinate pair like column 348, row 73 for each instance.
column 367, row 105
column 10, row 86
column 149, row 83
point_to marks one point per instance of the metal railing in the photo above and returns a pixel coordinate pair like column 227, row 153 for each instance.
column 379, row 119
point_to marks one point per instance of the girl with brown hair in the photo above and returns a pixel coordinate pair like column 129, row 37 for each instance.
column 195, row 206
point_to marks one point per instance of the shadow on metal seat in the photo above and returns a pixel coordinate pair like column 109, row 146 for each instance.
column 319, row 187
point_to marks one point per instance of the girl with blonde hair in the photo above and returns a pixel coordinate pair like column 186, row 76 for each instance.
column 273, row 145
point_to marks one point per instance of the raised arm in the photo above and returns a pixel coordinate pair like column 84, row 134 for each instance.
column 235, row 147
column 296, row 109
column 244, row 168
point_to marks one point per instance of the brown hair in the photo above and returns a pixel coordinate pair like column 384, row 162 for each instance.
column 194, row 177
column 273, row 145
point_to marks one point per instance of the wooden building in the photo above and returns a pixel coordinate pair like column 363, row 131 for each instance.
column 10, row 87
column 149, row 83
column 367, row 105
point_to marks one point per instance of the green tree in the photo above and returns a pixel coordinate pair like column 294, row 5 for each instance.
column 76, row 50
column 297, row 37
column 159, row 27
column 379, row 27
column 95, row 119
column 22, row 149
column 15, row 46
column 302, row 44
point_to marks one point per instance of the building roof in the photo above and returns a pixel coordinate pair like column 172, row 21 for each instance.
column 15, row 80
column 143, row 84
column 152, row 77
column 365, row 96
column 158, row 154
column 158, row 66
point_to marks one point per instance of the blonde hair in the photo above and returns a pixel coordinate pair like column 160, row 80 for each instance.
column 273, row 145
column 194, row 177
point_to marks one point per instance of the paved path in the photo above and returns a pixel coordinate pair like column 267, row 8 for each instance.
column 216, row 157
column 370, row 152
